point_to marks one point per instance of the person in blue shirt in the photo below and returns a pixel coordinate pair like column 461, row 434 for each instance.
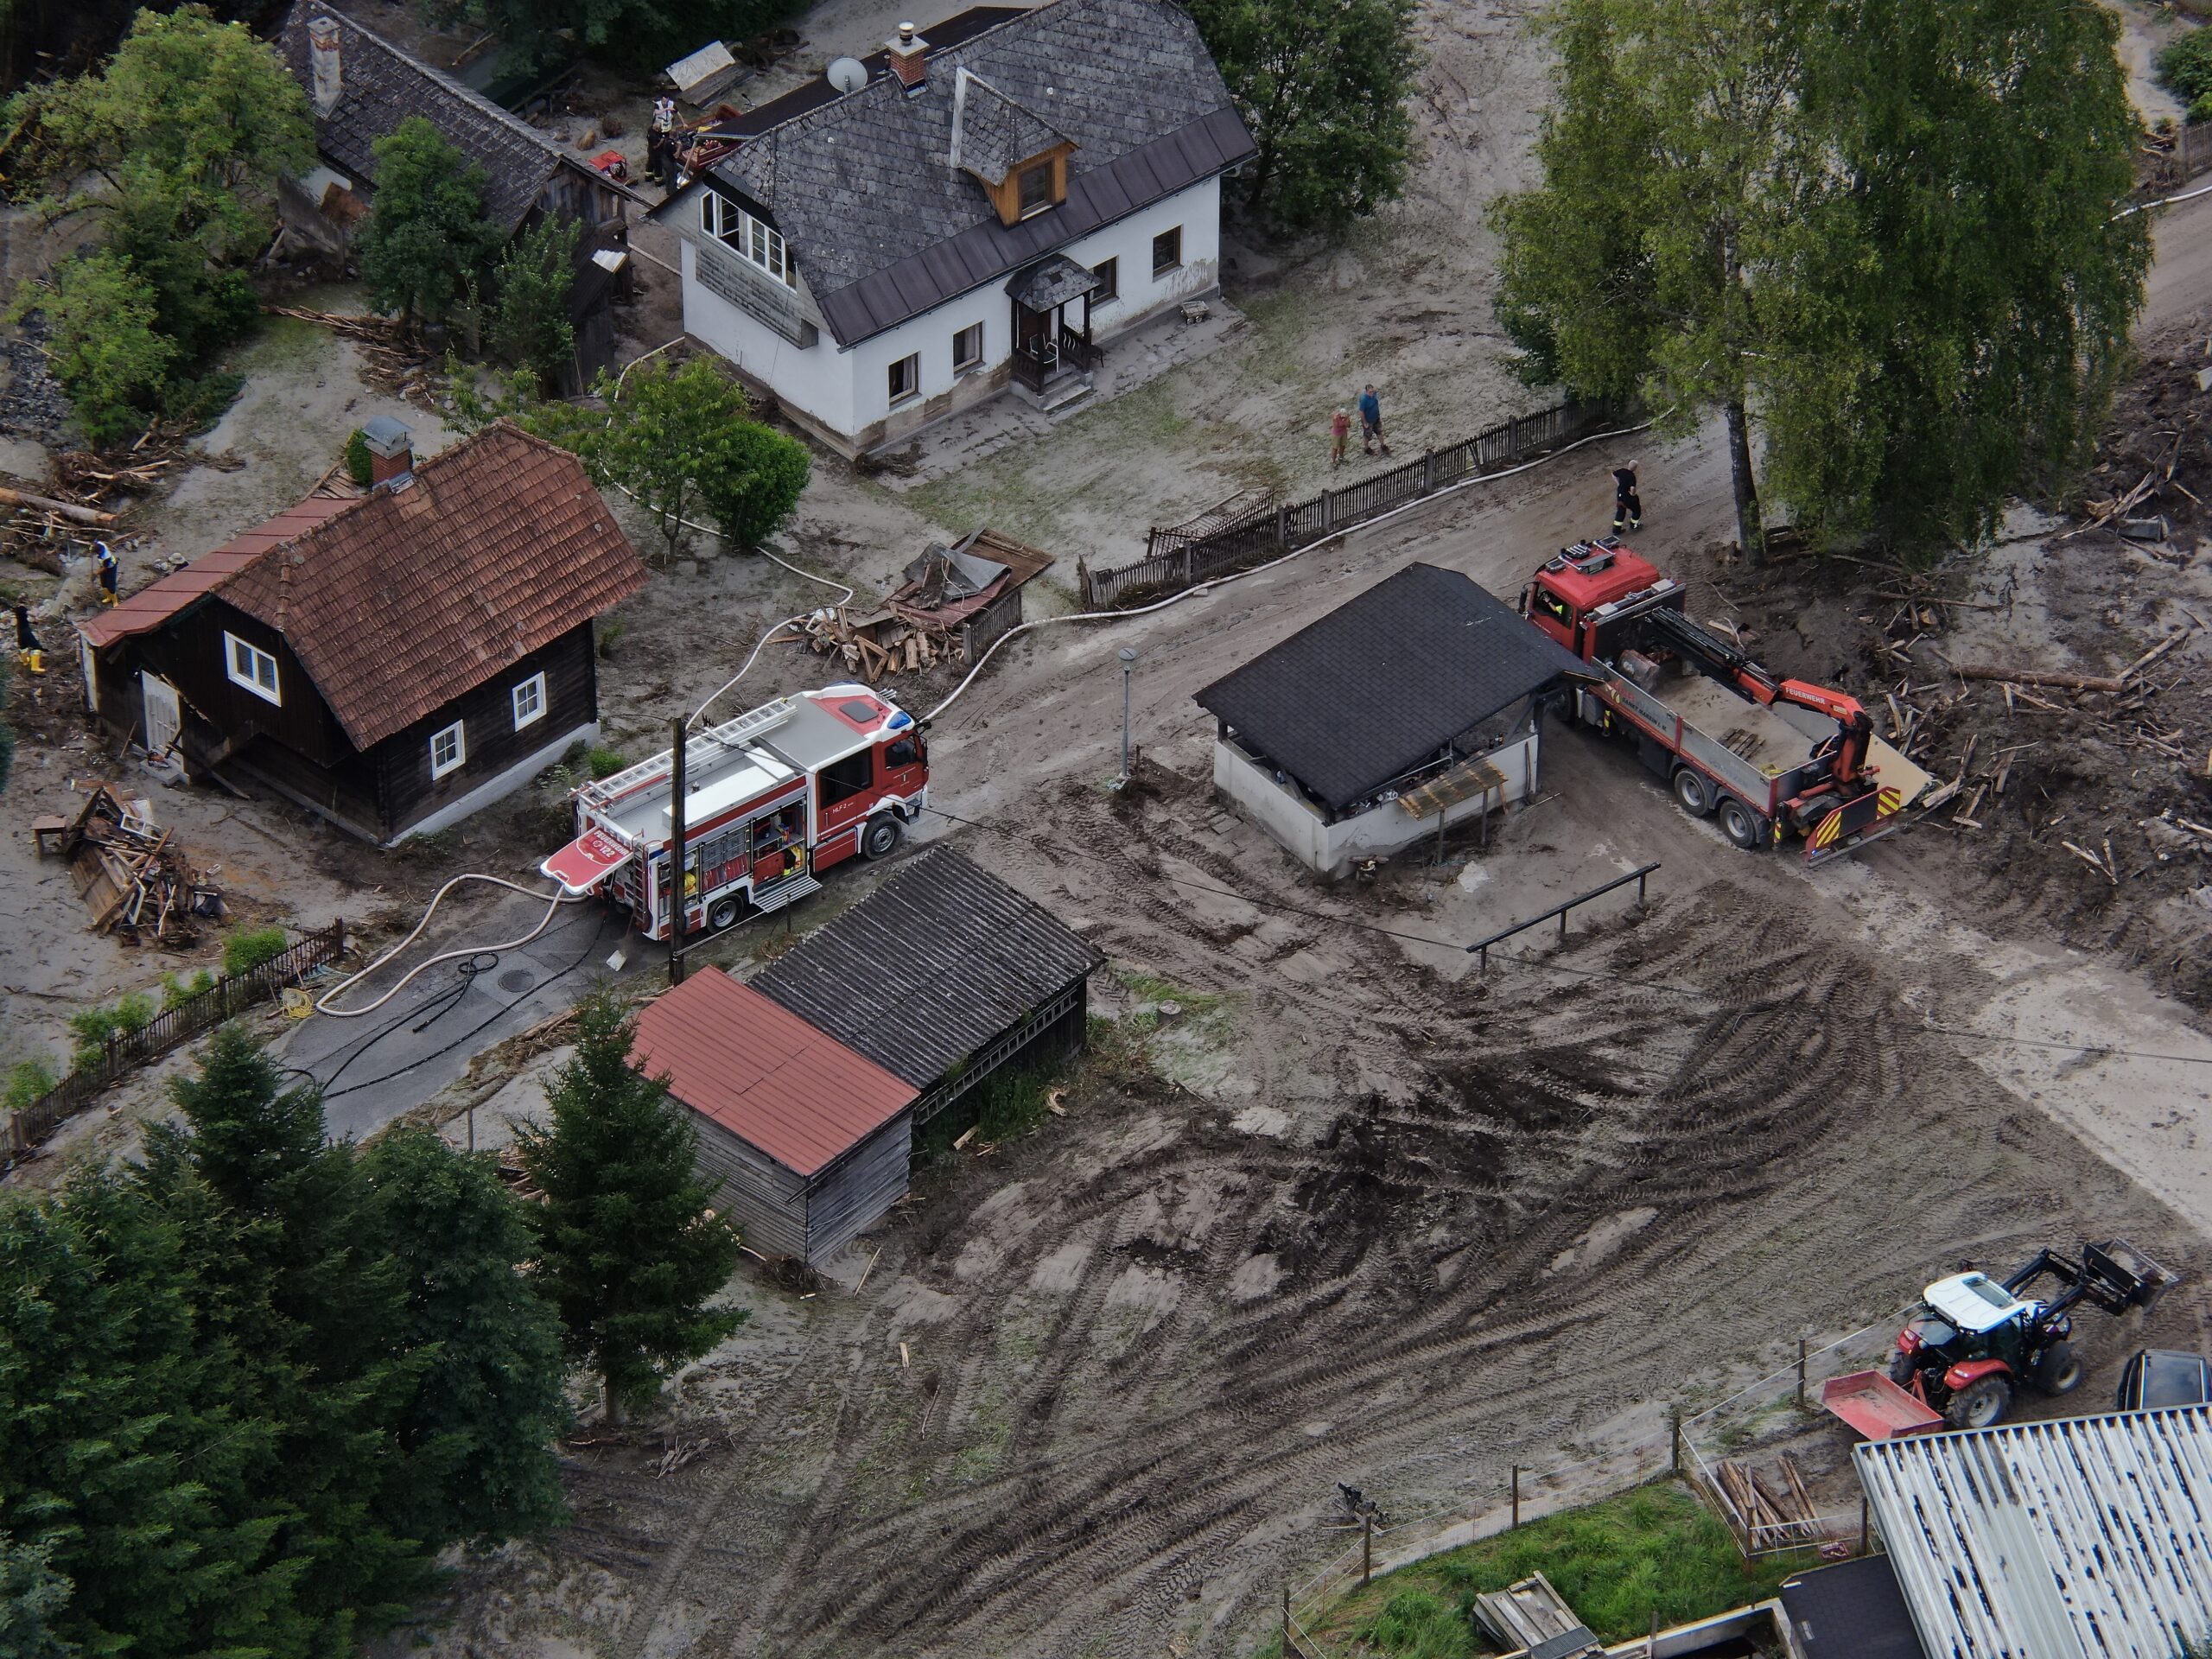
column 1370, row 421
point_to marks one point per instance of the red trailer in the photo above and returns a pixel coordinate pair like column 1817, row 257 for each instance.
column 772, row 798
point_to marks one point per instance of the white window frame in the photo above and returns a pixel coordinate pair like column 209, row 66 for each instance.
column 535, row 685
column 757, row 243
column 458, row 732
column 1176, row 263
column 912, row 363
column 968, row 365
column 234, row 649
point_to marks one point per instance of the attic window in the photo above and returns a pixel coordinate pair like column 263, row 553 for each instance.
column 251, row 667
column 758, row 244
column 1036, row 189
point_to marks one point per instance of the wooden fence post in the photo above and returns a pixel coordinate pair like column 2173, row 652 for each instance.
column 1517, row 1495
column 1675, row 1415
column 1283, row 526
column 1367, row 1547
column 1801, row 1373
column 1429, row 473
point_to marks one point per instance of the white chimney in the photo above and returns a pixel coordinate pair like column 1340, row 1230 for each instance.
column 322, row 54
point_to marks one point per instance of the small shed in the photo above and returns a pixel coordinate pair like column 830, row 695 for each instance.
column 1414, row 706
column 808, row 1139
column 942, row 976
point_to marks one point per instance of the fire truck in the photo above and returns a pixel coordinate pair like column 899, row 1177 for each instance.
column 1771, row 757
column 770, row 799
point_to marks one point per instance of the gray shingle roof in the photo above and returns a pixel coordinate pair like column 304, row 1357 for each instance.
column 929, row 968
column 382, row 85
column 993, row 133
column 883, row 226
column 1385, row 681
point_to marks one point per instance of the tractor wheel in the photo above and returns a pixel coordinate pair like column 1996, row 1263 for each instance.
column 1691, row 793
column 881, row 837
column 723, row 912
column 1901, row 1368
column 1981, row 1404
column 1740, row 825
column 2059, row 1370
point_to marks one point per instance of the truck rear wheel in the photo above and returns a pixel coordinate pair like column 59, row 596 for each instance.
column 1741, row 826
column 723, row 913
column 1981, row 1404
column 1691, row 793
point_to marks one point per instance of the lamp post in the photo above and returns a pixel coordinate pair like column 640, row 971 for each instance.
column 1128, row 667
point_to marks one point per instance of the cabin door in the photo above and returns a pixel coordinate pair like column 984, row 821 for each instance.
column 164, row 720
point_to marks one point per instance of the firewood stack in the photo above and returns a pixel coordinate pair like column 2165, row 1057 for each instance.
column 134, row 876
column 1785, row 1515
column 880, row 646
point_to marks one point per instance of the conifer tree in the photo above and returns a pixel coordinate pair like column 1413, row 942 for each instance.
column 629, row 1251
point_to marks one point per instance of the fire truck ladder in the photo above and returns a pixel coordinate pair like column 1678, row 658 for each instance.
column 698, row 751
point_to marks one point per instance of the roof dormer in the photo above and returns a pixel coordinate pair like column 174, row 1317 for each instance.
column 1019, row 159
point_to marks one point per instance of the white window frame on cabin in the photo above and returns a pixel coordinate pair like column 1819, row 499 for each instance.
column 458, row 759
column 534, row 688
column 243, row 661
column 758, row 245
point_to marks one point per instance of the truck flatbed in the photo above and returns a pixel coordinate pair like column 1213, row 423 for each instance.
column 1764, row 736
column 1876, row 1406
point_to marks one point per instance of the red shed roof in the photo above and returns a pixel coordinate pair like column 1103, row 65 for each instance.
column 763, row 1073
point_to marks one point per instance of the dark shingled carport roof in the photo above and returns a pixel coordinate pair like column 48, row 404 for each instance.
column 1383, row 681
column 935, row 962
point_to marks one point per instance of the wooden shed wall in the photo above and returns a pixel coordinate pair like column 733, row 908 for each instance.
column 767, row 1201
column 782, row 1213
column 852, row 1194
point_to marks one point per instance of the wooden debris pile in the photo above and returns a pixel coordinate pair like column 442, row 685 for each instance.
column 395, row 364
column 1778, row 1514
column 134, row 876
column 85, row 501
column 876, row 644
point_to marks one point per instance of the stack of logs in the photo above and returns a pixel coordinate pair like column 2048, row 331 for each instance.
column 395, row 363
column 1775, row 1519
column 134, row 878
column 864, row 648
column 41, row 528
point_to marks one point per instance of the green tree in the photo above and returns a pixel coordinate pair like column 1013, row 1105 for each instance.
column 1887, row 235
column 530, row 316
column 764, row 474
column 1322, row 84
column 426, row 233
column 106, row 351
column 629, row 1251
column 476, row 1436
column 2186, row 67
column 33, row 1598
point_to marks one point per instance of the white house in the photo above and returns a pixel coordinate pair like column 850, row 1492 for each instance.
column 995, row 198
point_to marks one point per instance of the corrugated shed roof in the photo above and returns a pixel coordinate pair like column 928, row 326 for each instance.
column 2077, row 1539
column 406, row 599
column 382, row 85
column 859, row 183
column 1385, row 681
column 763, row 1073
column 931, row 966
column 158, row 601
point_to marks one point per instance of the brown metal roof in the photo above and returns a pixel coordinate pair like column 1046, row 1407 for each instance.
column 405, row 599
column 763, row 1073
column 156, row 602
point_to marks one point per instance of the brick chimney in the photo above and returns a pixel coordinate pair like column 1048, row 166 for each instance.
column 391, row 453
column 906, row 59
column 322, row 55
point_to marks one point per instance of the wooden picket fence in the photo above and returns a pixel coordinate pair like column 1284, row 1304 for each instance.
column 2160, row 171
column 1235, row 536
column 225, row 998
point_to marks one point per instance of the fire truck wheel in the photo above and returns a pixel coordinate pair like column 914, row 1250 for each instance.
column 1692, row 793
column 722, row 914
column 881, row 837
column 1741, row 826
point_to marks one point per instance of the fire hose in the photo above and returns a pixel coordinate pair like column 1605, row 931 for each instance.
column 322, row 1003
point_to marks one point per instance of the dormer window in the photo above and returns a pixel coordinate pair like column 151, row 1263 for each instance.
column 1036, row 189
column 758, row 244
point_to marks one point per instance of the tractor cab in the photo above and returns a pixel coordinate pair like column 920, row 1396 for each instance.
column 1977, row 1304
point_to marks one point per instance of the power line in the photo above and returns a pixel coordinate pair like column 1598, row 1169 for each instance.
column 1698, row 994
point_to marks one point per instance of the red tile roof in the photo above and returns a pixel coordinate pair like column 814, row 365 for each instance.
column 156, row 602
column 407, row 598
column 763, row 1073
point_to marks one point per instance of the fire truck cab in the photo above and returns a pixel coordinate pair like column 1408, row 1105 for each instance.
column 772, row 798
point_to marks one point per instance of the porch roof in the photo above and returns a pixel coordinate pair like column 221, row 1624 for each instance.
column 1051, row 281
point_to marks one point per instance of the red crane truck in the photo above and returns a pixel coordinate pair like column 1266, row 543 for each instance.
column 1772, row 758
column 772, row 798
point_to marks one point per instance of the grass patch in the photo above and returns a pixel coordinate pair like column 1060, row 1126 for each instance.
column 1655, row 1549
column 1009, row 1105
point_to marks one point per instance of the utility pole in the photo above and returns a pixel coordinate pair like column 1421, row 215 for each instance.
column 676, row 902
column 1128, row 667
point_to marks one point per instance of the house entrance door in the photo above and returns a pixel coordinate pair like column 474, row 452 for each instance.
column 164, row 720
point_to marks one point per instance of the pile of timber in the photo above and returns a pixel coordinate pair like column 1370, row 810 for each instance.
column 1777, row 1518
column 133, row 876
column 88, row 493
column 1532, row 1616
column 395, row 364
column 879, row 643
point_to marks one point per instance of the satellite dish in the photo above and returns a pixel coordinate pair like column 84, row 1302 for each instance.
column 846, row 74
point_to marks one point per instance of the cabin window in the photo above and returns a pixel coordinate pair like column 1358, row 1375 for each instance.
column 1035, row 187
column 845, row 778
column 759, row 244
column 968, row 348
column 1167, row 250
column 251, row 667
column 903, row 752
column 907, row 377
column 1108, row 273
column 530, row 700
column 449, row 748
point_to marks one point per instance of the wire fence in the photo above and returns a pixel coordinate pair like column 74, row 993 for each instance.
column 125, row 1051
column 1237, row 535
